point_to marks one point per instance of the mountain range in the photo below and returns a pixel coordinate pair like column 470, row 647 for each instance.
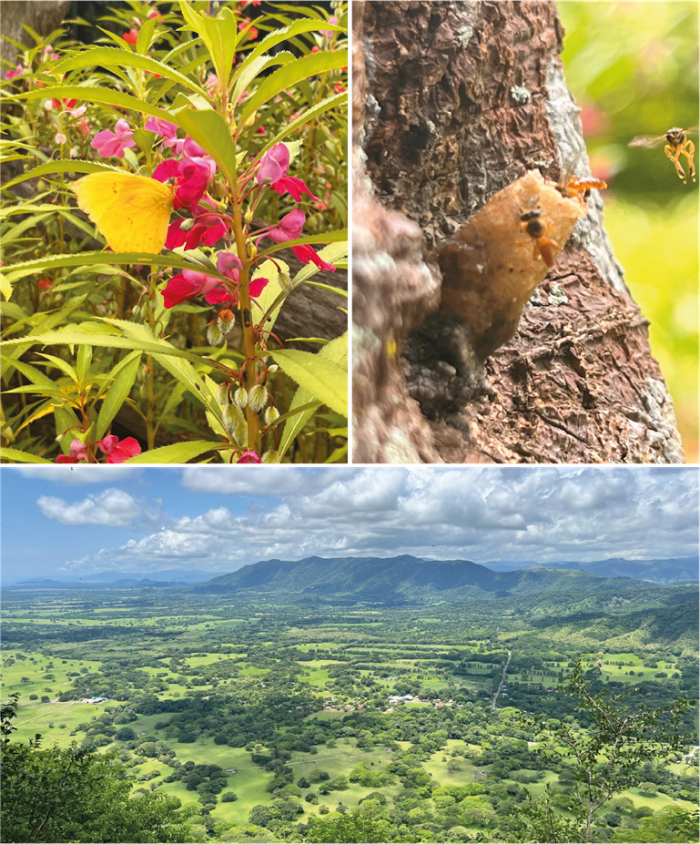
column 403, row 579
column 676, row 570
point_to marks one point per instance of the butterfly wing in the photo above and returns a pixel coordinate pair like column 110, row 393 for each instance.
column 132, row 212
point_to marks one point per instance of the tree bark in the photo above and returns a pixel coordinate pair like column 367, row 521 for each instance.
column 42, row 15
column 452, row 102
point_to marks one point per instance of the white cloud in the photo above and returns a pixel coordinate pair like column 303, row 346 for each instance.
column 273, row 480
column 495, row 513
column 112, row 508
column 78, row 474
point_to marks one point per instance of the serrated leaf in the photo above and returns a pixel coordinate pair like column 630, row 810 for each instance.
column 323, row 378
column 117, row 394
column 337, row 352
column 16, row 456
column 177, row 453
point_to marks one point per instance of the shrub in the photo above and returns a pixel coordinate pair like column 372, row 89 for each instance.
column 245, row 130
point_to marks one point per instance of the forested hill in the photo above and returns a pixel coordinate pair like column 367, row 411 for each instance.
column 399, row 580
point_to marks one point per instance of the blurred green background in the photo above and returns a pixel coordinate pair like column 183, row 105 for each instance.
column 633, row 68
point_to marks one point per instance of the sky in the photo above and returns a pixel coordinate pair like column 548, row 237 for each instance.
column 80, row 520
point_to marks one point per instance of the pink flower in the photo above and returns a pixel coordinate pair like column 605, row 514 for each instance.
column 329, row 32
column 18, row 71
column 293, row 186
column 77, row 453
column 256, row 286
column 274, row 164
column 249, row 457
column 260, row 130
column 191, row 176
column 118, row 452
column 252, row 32
column 289, row 228
column 131, row 37
column 60, row 138
column 228, row 264
column 306, row 254
column 208, row 228
column 189, row 284
column 113, row 144
column 155, row 14
column 45, row 284
column 161, row 127
column 212, row 83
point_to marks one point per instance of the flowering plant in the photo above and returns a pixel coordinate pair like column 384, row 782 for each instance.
column 241, row 144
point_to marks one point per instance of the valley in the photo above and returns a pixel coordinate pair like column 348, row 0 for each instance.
column 271, row 708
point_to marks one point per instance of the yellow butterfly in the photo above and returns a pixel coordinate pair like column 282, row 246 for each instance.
column 132, row 212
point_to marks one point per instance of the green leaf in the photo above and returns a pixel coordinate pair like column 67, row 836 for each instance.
column 322, row 377
column 114, row 57
column 143, row 42
column 177, row 453
column 336, row 352
column 114, row 341
column 117, row 394
column 291, row 74
column 209, row 129
column 272, row 292
column 65, row 418
column 65, row 368
column 220, row 34
column 84, row 361
column 305, row 117
column 34, row 375
column 15, row 456
column 326, row 237
column 14, row 272
column 279, row 35
column 59, row 166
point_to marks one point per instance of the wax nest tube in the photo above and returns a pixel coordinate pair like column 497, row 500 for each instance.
column 493, row 264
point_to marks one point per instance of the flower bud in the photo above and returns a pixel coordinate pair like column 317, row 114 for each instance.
column 233, row 419
column 241, row 397
column 226, row 320
column 248, row 216
column 271, row 415
column 222, row 395
column 272, row 367
column 186, row 225
column 214, row 336
column 285, row 282
column 271, row 456
column 257, row 398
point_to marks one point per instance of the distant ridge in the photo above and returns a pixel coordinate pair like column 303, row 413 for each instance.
column 675, row 570
column 403, row 579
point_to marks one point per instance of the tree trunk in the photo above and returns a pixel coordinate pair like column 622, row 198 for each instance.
column 453, row 101
column 42, row 15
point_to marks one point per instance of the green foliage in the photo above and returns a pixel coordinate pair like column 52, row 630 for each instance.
column 110, row 345
column 618, row 739
column 356, row 826
column 70, row 794
column 672, row 824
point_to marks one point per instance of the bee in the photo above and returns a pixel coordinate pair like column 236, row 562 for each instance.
column 544, row 245
column 574, row 186
column 677, row 144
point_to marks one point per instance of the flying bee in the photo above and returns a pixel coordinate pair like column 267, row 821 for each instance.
column 533, row 225
column 677, row 144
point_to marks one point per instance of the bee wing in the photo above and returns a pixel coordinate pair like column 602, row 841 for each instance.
column 647, row 141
